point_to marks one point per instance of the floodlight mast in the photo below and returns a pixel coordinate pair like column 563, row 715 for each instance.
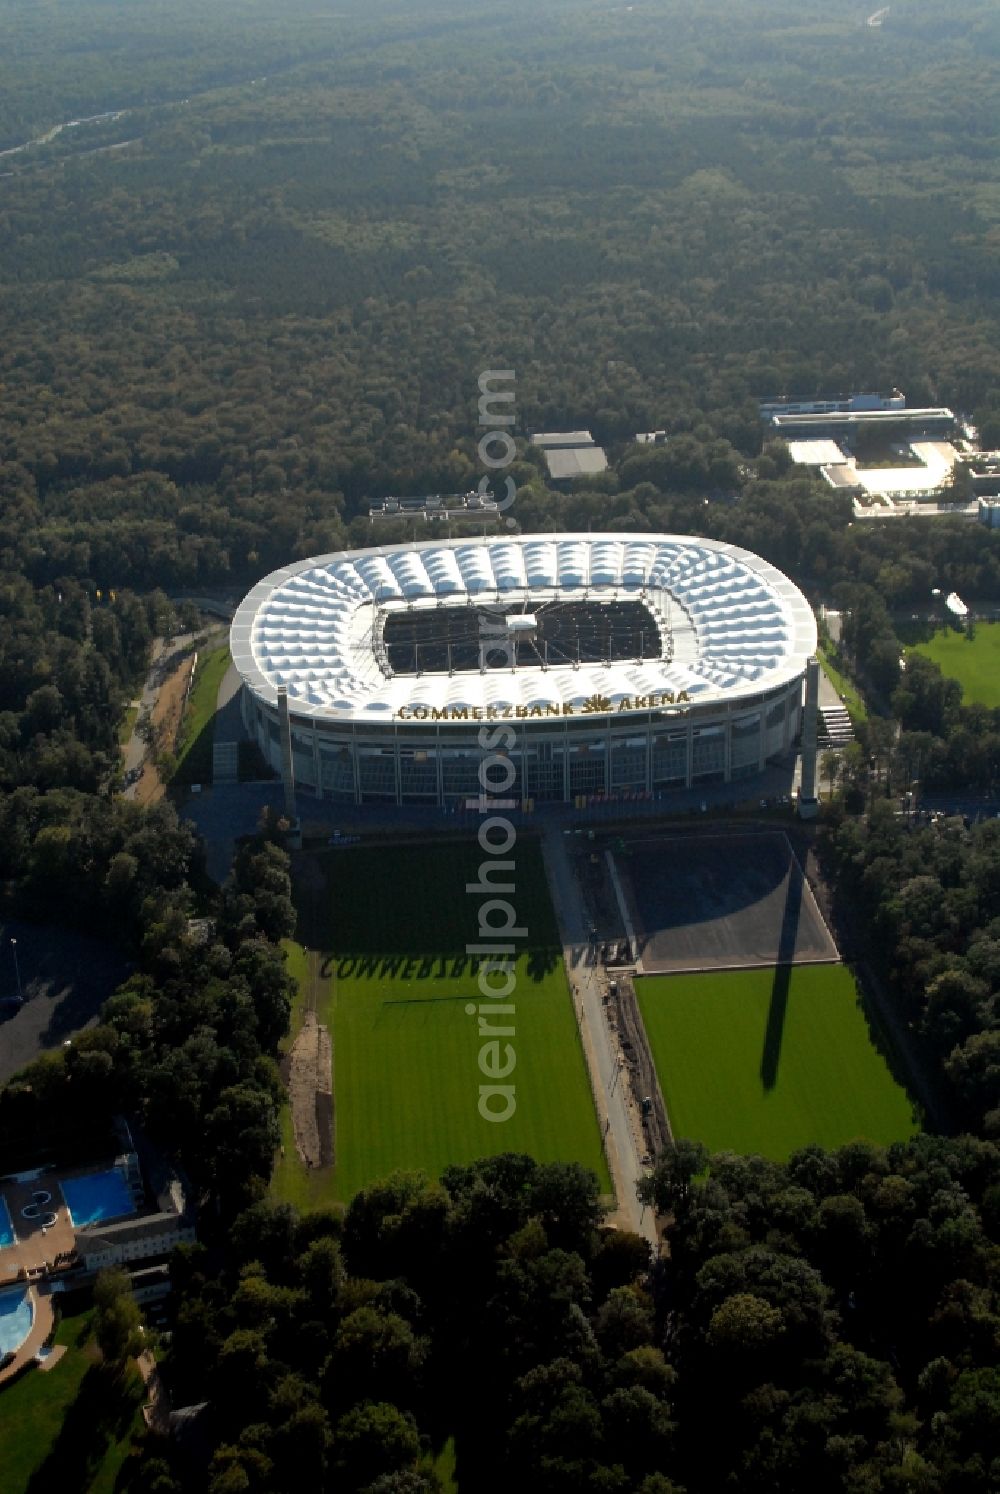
column 17, row 970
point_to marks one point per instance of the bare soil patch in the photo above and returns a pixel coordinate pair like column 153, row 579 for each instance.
column 166, row 717
column 310, row 1092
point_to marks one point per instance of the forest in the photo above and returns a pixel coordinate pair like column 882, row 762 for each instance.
column 829, row 1324
column 269, row 294
column 253, row 260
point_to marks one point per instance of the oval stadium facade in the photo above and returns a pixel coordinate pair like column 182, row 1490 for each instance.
column 601, row 664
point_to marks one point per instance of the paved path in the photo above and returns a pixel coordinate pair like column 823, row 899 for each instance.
column 829, row 696
column 222, row 607
column 226, row 811
column 834, row 622
column 615, row 1111
column 165, row 655
column 65, row 978
column 156, row 1411
column 228, row 718
column 136, row 749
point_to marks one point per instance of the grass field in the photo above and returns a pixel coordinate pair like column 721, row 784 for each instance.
column 385, row 934
column 974, row 662
column 194, row 744
column 765, row 1061
column 68, row 1428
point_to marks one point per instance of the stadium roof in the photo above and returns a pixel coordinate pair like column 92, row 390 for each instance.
column 736, row 626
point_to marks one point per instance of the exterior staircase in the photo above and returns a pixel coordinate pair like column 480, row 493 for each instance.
column 225, row 762
column 835, row 729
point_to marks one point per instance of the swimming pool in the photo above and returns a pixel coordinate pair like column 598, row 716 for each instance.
column 97, row 1196
column 16, row 1317
column 6, row 1228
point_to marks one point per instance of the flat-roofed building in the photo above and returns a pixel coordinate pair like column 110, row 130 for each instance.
column 815, row 453
column 844, row 425
column 843, row 477
column 581, row 461
column 570, row 454
column 984, row 474
column 783, row 404
column 561, row 440
column 144, row 1238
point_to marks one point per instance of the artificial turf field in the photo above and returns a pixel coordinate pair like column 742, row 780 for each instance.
column 387, row 936
column 974, row 662
column 769, row 1060
column 702, row 902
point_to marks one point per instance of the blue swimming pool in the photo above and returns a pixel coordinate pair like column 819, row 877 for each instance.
column 16, row 1316
column 6, row 1228
column 97, row 1196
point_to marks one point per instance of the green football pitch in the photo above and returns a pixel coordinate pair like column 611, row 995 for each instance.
column 770, row 1060
column 974, row 662
column 385, row 932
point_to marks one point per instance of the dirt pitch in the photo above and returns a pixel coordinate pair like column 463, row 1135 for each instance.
column 720, row 902
column 310, row 1093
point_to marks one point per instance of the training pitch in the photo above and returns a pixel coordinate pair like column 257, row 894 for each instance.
column 387, row 930
column 720, row 901
column 767, row 1061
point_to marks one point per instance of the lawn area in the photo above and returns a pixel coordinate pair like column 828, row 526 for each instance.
column 69, row 1420
column 126, row 725
column 194, row 743
column 767, row 1061
column 974, row 662
column 848, row 692
column 385, row 931
column 444, row 1466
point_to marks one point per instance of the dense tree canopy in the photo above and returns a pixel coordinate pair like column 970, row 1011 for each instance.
column 827, row 1324
column 274, row 302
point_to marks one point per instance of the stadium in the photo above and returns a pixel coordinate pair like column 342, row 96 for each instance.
column 621, row 665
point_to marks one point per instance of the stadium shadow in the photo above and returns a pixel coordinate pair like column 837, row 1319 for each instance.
column 774, row 1032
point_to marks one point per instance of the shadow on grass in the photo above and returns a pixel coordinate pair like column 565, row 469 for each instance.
column 778, row 1008
column 422, row 901
column 196, row 764
column 885, row 1045
column 102, row 1413
column 922, row 630
column 445, row 966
